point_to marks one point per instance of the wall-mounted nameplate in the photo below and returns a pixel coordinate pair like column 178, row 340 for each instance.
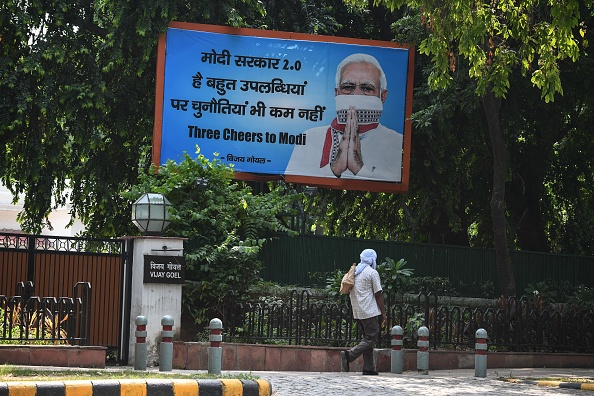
column 164, row 269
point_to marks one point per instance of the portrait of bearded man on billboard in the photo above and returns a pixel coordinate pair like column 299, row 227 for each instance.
column 355, row 144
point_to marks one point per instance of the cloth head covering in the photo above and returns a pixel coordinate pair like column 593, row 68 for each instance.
column 368, row 258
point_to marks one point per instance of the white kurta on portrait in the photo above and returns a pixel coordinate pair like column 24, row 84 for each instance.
column 381, row 149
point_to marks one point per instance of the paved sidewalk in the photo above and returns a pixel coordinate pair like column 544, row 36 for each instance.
column 441, row 382
column 529, row 381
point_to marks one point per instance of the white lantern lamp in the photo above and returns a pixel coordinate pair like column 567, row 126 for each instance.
column 150, row 213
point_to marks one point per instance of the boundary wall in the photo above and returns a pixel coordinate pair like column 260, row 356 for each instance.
column 53, row 355
column 252, row 357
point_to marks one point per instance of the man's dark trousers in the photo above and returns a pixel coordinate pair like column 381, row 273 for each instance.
column 370, row 328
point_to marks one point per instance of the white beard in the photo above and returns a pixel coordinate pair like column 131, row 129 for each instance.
column 369, row 108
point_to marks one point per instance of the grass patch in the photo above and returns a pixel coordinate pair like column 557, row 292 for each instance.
column 17, row 373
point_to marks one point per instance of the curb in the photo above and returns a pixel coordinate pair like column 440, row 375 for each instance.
column 555, row 384
column 143, row 387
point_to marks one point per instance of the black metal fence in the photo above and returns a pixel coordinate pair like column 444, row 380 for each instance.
column 301, row 320
column 511, row 324
column 29, row 319
column 53, row 264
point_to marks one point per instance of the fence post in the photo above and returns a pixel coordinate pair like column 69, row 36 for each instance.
column 166, row 346
column 423, row 352
column 215, row 351
column 140, row 346
column 480, row 359
column 397, row 354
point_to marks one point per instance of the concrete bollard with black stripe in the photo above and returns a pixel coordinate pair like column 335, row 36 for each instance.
column 173, row 387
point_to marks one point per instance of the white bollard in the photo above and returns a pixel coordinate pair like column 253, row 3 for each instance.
column 215, row 352
column 423, row 352
column 397, row 353
column 480, row 359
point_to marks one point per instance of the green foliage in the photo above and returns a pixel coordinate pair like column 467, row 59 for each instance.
column 495, row 38
column 411, row 329
column 318, row 278
column 225, row 224
column 394, row 275
column 485, row 289
column 72, row 123
column 397, row 280
column 37, row 330
column 583, row 297
column 77, row 89
column 226, row 273
column 333, row 285
column 551, row 291
column 550, row 164
column 545, row 290
column 266, row 288
column 434, row 284
column 269, row 303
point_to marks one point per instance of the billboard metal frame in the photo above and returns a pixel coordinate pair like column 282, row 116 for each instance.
column 338, row 183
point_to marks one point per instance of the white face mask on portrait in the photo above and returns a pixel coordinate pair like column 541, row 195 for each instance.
column 369, row 108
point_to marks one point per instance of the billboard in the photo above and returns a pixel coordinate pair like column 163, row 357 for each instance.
column 317, row 110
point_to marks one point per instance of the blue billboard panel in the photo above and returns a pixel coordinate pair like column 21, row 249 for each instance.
column 305, row 107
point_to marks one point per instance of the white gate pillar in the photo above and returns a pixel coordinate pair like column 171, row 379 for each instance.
column 158, row 274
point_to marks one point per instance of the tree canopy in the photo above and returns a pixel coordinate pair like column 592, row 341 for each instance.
column 493, row 40
column 224, row 222
column 502, row 148
column 77, row 88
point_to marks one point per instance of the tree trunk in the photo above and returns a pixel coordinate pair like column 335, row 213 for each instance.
column 492, row 107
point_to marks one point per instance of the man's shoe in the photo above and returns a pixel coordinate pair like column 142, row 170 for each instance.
column 344, row 360
column 370, row 372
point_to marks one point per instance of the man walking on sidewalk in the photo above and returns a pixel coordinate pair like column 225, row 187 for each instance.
column 367, row 301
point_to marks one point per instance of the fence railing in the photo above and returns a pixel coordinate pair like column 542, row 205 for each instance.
column 27, row 319
column 55, row 263
column 511, row 324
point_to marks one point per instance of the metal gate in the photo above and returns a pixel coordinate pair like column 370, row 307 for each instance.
column 54, row 265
